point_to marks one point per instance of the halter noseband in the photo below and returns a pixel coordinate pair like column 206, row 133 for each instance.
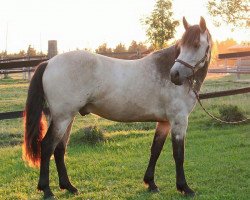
column 196, row 65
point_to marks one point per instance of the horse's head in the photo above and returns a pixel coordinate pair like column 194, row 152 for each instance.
column 195, row 51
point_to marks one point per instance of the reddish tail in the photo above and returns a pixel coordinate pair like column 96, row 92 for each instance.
column 35, row 125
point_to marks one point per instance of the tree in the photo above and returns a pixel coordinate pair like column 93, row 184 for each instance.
column 233, row 12
column 134, row 47
column 22, row 53
column 103, row 48
column 160, row 24
column 31, row 51
column 3, row 54
column 120, row 48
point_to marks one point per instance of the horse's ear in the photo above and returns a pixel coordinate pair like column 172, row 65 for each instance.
column 185, row 23
column 203, row 25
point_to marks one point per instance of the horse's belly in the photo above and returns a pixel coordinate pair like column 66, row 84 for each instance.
column 127, row 113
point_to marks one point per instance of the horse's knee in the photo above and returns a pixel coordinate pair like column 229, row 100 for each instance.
column 179, row 127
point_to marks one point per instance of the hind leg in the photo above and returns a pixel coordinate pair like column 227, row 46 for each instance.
column 59, row 153
column 53, row 136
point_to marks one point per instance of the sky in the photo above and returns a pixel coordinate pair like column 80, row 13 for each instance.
column 89, row 23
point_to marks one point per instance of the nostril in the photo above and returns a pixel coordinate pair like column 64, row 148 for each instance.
column 176, row 75
column 175, row 78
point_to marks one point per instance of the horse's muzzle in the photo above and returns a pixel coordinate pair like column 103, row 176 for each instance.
column 175, row 78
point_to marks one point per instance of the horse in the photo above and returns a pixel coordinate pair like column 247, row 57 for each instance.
column 155, row 88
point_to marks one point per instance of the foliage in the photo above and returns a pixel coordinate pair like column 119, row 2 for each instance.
column 120, row 48
column 103, row 48
column 134, row 47
column 31, row 51
column 220, row 47
column 231, row 113
column 224, row 45
column 160, row 24
column 92, row 135
column 234, row 12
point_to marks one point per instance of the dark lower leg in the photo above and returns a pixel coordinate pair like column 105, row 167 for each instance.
column 178, row 153
column 64, row 182
column 156, row 148
column 46, row 152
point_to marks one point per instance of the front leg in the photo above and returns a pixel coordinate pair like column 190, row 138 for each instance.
column 162, row 130
column 178, row 132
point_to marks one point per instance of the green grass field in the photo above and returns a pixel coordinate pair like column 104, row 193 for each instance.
column 217, row 160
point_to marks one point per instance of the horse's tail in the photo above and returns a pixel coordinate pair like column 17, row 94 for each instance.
column 35, row 125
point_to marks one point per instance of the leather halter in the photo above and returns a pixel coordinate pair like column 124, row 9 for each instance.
column 197, row 64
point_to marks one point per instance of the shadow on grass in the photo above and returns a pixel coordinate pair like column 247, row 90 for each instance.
column 121, row 126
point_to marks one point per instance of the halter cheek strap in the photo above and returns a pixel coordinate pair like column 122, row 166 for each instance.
column 185, row 64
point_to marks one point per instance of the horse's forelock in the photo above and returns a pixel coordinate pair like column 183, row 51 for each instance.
column 191, row 36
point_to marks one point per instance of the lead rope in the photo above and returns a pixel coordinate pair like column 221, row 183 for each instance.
column 212, row 116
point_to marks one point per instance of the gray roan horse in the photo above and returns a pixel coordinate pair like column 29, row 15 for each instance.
column 155, row 88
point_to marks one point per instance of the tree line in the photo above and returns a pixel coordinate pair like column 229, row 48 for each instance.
column 120, row 48
column 31, row 51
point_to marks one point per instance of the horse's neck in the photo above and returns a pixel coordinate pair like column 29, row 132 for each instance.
column 164, row 59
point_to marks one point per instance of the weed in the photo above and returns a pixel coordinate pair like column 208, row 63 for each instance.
column 231, row 113
column 92, row 135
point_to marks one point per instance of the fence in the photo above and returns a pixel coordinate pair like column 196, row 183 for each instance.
column 26, row 64
column 23, row 65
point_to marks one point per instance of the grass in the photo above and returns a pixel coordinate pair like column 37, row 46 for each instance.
column 217, row 156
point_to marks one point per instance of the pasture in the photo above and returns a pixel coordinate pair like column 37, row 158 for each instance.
column 217, row 156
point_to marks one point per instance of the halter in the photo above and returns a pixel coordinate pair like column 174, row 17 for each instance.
column 197, row 64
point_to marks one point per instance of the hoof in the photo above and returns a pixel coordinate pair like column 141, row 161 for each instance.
column 152, row 187
column 47, row 192
column 186, row 190
column 153, row 190
column 70, row 188
column 50, row 198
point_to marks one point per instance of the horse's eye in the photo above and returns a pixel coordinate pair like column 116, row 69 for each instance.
column 196, row 45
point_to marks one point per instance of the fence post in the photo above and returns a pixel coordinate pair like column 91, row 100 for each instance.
column 238, row 69
column 24, row 73
column 6, row 75
column 52, row 48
